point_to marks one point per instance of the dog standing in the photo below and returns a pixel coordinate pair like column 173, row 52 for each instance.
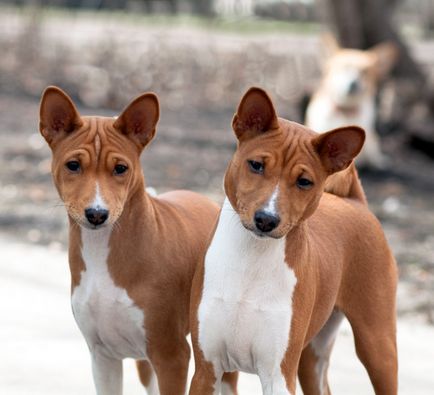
column 347, row 94
column 287, row 262
column 132, row 256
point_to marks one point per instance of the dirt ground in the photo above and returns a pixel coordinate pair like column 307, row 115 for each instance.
column 199, row 77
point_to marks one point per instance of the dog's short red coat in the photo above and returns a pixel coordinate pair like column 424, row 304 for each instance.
column 334, row 245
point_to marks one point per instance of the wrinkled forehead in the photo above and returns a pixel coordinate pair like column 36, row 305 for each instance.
column 96, row 135
column 291, row 140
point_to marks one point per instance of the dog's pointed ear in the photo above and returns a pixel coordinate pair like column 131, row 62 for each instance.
column 58, row 115
column 255, row 114
column 385, row 56
column 139, row 119
column 339, row 147
column 329, row 44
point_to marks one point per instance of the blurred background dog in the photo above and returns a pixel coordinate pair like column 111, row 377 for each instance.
column 347, row 94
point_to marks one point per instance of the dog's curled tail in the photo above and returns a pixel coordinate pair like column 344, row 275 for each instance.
column 346, row 184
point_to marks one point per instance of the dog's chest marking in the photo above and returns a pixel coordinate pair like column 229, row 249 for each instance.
column 106, row 315
column 246, row 307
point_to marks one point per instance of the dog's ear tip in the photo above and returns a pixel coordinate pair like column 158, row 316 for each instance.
column 152, row 95
column 255, row 113
column 357, row 129
column 53, row 90
column 256, row 89
column 145, row 99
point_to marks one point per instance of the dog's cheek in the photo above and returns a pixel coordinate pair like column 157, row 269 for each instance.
column 311, row 206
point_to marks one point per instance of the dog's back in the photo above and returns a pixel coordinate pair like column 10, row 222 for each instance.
column 346, row 184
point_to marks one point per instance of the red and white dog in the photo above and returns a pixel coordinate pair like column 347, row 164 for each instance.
column 132, row 256
column 288, row 261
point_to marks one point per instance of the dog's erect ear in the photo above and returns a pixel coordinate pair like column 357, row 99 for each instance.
column 329, row 44
column 139, row 119
column 255, row 114
column 57, row 115
column 385, row 56
column 339, row 147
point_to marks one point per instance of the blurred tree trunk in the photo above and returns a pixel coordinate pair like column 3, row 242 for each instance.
column 172, row 5
column 203, row 7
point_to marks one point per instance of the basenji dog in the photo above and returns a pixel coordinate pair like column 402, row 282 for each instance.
column 348, row 91
column 132, row 256
column 287, row 261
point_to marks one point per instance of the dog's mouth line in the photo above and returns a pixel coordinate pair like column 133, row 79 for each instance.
column 86, row 225
column 261, row 235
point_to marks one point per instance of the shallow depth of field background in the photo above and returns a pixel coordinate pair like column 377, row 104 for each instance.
column 200, row 57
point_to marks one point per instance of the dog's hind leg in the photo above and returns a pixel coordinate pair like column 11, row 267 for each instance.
column 148, row 377
column 314, row 361
column 374, row 329
column 369, row 304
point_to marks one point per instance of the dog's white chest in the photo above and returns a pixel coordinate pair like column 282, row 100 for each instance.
column 246, row 307
column 105, row 314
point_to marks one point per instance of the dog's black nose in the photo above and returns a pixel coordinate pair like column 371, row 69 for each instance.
column 266, row 222
column 96, row 216
column 354, row 87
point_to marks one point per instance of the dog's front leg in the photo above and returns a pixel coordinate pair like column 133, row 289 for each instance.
column 274, row 384
column 107, row 374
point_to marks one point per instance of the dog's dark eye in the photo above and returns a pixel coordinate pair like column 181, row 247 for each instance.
column 73, row 166
column 120, row 169
column 256, row 167
column 304, row 183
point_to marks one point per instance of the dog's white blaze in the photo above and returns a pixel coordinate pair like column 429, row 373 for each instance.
column 271, row 206
column 246, row 307
column 98, row 201
column 322, row 345
column 108, row 318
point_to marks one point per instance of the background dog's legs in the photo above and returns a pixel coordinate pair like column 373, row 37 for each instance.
column 148, row 377
column 107, row 374
column 171, row 367
column 314, row 362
